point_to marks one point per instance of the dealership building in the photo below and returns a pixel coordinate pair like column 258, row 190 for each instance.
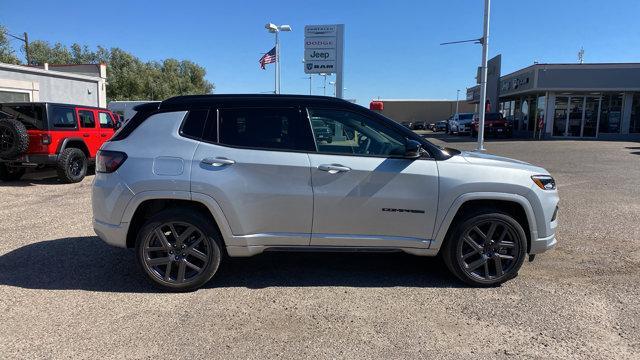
column 566, row 100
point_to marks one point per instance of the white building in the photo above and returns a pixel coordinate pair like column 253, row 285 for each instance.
column 83, row 84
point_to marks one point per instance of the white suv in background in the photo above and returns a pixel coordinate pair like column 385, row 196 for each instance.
column 460, row 123
column 195, row 177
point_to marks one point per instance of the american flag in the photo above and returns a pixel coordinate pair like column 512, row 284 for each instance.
column 268, row 58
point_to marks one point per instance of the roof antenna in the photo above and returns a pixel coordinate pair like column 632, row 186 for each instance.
column 581, row 55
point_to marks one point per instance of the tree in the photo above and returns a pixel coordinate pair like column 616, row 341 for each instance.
column 7, row 54
column 128, row 77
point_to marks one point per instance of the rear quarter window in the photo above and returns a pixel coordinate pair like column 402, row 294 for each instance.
column 193, row 124
column 32, row 116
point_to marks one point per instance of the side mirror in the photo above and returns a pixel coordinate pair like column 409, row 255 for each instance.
column 413, row 149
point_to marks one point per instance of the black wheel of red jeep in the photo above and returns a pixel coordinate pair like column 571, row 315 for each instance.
column 72, row 165
column 11, row 173
column 14, row 139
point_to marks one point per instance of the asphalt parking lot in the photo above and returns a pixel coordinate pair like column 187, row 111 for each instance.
column 63, row 293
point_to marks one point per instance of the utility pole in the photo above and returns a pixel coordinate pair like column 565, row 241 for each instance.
column 24, row 39
column 324, row 84
column 483, row 75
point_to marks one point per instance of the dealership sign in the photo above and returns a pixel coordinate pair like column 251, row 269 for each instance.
column 323, row 49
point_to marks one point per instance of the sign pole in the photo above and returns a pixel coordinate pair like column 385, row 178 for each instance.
column 339, row 85
column 483, row 76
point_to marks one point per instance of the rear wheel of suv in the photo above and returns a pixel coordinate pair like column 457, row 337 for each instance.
column 72, row 165
column 14, row 139
column 486, row 248
column 179, row 249
column 10, row 173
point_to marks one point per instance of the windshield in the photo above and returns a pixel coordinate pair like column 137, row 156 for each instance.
column 465, row 116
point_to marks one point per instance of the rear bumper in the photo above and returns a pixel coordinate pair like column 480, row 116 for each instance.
column 115, row 235
column 32, row 160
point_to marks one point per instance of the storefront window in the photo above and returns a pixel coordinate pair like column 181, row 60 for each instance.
column 575, row 116
column 560, row 116
column 524, row 114
column 634, row 125
column 540, row 114
column 610, row 113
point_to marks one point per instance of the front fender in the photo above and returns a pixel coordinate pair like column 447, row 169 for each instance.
column 444, row 225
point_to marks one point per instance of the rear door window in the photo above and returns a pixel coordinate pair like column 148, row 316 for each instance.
column 62, row 117
column 87, row 120
column 265, row 128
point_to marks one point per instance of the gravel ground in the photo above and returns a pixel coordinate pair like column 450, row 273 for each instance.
column 63, row 293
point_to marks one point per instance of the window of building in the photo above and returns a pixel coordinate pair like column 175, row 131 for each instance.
column 634, row 124
column 611, row 113
column 354, row 134
column 13, row 96
column 560, row 116
column 540, row 115
column 105, row 120
column 87, row 120
column 62, row 117
column 265, row 128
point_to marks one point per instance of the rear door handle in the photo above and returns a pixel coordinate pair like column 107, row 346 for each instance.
column 333, row 168
column 219, row 161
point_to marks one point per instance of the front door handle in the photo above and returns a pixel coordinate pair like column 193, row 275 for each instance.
column 333, row 168
column 219, row 161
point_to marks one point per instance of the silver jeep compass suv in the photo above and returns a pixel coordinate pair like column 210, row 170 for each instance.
column 193, row 178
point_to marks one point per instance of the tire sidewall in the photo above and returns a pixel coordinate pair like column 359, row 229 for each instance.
column 211, row 236
column 451, row 256
column 64, row 165
column 20, row 138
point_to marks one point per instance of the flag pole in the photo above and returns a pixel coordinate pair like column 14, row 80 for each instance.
column 277, row 67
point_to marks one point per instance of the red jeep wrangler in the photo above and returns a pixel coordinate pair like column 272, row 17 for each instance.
column 46, row 134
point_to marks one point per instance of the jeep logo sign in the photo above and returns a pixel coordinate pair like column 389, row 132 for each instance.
column 320, row 54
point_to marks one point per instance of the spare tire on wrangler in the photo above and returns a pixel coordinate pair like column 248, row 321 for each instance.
column 14, row 139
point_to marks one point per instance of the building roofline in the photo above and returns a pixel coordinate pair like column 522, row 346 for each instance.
column 41, row 71
column 610, row 65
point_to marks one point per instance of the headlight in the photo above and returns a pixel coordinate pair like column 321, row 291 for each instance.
column 544, row 182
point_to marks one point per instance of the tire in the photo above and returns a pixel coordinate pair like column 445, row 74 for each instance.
column 11, row 173
column 477, row 265
column 14, row 140
column 72, row 165
column 174, row 223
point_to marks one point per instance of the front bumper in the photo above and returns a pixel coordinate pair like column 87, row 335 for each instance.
column 538, row 246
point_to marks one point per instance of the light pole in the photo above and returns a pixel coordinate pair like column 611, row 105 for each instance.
column 483, row 75
column 310, row 83
column 324, row 84
column 276, row 29
column 457, row 97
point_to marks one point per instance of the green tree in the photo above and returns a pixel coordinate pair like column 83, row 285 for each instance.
column 7, row 54
column 128, row 77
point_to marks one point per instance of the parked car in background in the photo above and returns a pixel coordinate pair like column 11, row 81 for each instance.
column 414, row 125
column 195, row 179
column 460, row 123
column 64, row 136
column 124, row 109
column 323, row 131
column 440, row 126
column 495, row 124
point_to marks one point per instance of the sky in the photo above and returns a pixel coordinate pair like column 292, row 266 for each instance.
column 392, row 47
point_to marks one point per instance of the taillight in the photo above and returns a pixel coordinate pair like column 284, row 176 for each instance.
column 46, row 139
column 109, row 161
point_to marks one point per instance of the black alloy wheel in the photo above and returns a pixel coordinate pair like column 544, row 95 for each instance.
column 178, row 251
column 486, row 249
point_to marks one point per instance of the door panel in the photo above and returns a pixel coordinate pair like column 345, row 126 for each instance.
column 386, row 202
column 87, row 118
column 266, row 196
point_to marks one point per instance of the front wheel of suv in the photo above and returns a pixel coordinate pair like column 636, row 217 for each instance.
column 10, row 173
column 72, row 165
column 179, row 249
column 486, row 248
